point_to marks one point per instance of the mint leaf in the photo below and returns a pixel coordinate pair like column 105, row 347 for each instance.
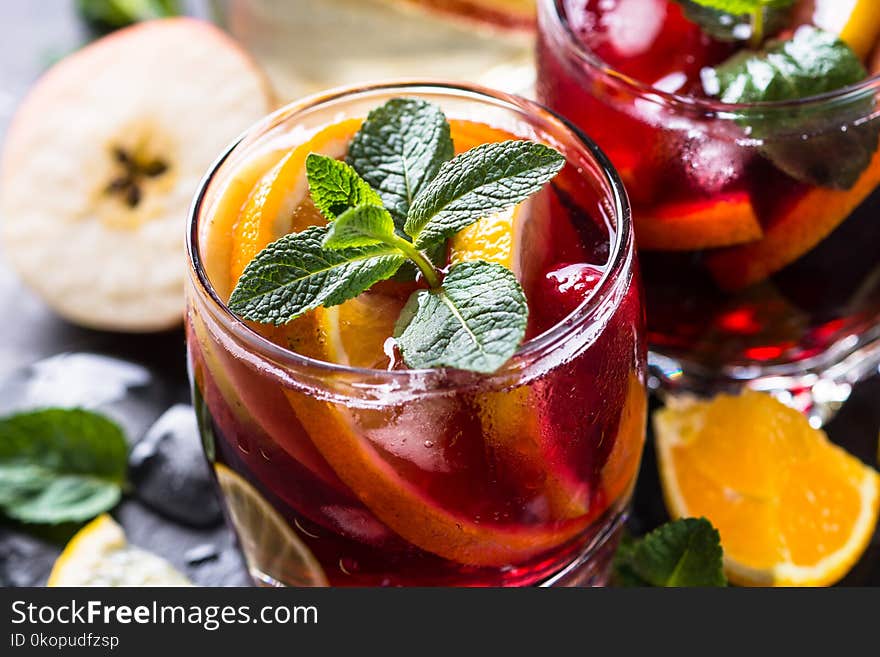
column 812, row 62
column 399, row 148
column 296, row 274
column 335, row 187
column 364, row 225
column 725, row 25
column 740, row 7
column 474, row 321
column 112, row 14
column 678, row 554
column 60, row 465
column 482, row 181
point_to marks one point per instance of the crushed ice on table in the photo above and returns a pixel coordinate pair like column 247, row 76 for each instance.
column 169, row 471
column 125, row 391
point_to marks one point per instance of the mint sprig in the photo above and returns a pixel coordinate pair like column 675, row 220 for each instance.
column 473, row 317
column 810, row 63
column 682, row 553
column 60, row 465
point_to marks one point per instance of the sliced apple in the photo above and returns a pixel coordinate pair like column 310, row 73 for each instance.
column 700, row 224
column 103, row 158
column 799, row 228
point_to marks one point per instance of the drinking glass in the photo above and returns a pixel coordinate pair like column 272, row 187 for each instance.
column 344, row 476
column 752, row 278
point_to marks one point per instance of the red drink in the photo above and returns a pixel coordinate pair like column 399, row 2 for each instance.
column 751, row 274
column 346, row 476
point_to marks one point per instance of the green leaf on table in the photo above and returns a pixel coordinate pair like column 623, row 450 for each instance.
column 474, row 321
column 60, row 465
column 682, row 553
column 726, row 25
column 297, row 273
column 111, row 14
column 335, row 187
column 812, row 62
column 479, row 182
column 364, row 225
column 399, row 149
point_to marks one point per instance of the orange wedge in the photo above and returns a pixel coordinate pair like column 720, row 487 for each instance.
column 792, row 508
column 695, row 225
column 799, row 228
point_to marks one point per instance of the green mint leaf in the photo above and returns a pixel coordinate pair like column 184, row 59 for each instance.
column 482, row 181
column 112, row 14
column 364, row 225
column 399, row 149
column 475, row 321
column 727, row 26
column 682, row 553
column 335, row 186
column 740, row 7
column 296, row 274
column 811, row 62
column 60, row 465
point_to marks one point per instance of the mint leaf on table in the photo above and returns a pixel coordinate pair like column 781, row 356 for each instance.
column 735, row 22
column 474, row 321
column 60, row 465
column 399, row 148
column 111, row 14
column 811, row 62
column 681, row 553
column 297, row 273
column 364, row 225
column 478, row 183
column 335, row 187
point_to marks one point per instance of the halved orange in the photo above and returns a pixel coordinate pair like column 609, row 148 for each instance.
column 800, row 227
column 699, row 224
column 792, row 508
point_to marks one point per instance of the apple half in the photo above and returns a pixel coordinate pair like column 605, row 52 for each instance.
column 102, row 160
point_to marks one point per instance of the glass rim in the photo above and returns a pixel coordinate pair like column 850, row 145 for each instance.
column 620, row 260
column 610, row 75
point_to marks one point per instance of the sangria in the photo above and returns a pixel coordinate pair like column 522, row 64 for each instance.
column 753, row 179
column 337, row 463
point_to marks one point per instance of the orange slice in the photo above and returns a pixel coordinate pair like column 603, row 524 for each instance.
column 792, row 508
column 799, row 228
column 695, row 225
column 406, row 509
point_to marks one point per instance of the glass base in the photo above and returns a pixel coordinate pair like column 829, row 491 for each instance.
column 592, row 567
column 817, row 387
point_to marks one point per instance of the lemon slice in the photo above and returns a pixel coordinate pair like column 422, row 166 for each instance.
column 270, row 546
column 792, row 508
column 99, row 555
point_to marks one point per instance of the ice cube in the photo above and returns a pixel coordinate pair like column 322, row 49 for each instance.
column 170, row 472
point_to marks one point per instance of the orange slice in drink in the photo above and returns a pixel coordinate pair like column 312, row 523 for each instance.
column 792, row 508
column 856, row 21
column 700, row 224
column 797, row 229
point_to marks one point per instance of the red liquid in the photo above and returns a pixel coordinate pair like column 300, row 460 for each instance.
column 818, row 280
column 536, row 472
